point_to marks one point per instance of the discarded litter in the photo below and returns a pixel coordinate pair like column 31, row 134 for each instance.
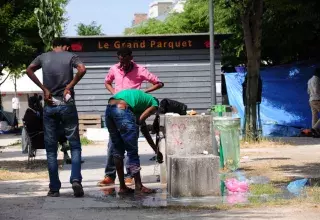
column 295, row 187
column 237, row 198
column 234, row 185
column 205, row 152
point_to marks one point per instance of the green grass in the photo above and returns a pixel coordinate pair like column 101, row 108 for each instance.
column 263, row 189
column 85, row 141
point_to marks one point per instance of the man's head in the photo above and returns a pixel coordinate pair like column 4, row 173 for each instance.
column 63, row 43
column 125, row 57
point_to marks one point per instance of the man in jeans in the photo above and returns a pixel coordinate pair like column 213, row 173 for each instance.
column 127, row 75
column 58, row 83
column 126, row 110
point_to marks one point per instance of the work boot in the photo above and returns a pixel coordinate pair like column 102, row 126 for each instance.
column 77, row 189
column 107, row 181
column 129, row 181
column 53, row 193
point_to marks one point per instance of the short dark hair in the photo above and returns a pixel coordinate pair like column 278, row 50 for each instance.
column 58, row 42
column 124, row 51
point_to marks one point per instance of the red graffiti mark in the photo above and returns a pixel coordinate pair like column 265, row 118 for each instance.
column 76, row 46
column 175, row 132
column 207, row 44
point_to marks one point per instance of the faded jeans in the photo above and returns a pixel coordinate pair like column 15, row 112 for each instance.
column 67, row 115
column 110, row 169
column 124, row 131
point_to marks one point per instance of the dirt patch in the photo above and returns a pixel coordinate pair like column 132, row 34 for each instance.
column 266, row 143
column 21, row 170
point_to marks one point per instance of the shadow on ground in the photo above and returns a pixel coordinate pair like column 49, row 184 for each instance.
column 306, row 170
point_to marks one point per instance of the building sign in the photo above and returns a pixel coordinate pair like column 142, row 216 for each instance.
column 181, row 42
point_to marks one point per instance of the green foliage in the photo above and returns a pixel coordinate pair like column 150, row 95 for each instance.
column 195, row 19
column 89, row 30
column 50, row 19
column 85, row 141
column 290, row 28
column 19, row 39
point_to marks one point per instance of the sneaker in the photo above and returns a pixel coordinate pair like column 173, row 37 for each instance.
column 52, row 193
column 107, row 181
column 128, row 181
column 77, row 189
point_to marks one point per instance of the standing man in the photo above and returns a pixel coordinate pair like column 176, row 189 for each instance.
column 15, row 110
column 58, row 88
column 127, row 75
column 126, row 110
column 314, row 100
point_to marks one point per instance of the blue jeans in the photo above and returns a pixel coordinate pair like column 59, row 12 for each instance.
column 67, row 115
column 110, row 169
column 123, row 130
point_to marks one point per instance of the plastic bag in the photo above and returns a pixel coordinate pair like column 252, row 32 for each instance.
column 234, row 185
column 296, row 186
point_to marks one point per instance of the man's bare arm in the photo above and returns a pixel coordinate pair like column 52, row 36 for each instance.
column 149, row 111
column 146, row 134
column 109, row 88
column 154, row 87
column 30, row 72
column 46, row 93
column 81, row 71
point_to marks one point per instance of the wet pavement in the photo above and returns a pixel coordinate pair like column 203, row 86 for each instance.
column 27, row 199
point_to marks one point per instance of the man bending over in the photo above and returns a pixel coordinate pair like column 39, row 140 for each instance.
column 125, row 112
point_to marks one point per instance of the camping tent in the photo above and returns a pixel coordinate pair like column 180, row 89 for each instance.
column 285, row 102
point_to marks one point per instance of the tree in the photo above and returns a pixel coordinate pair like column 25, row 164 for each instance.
column 50, row 19
column 89, row 29
column 19, row 40
column 195, row 19
column 251, row 18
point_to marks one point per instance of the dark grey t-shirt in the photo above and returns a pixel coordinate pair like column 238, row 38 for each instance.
column 57, row 69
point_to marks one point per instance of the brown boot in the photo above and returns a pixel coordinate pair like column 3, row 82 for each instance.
column 129, row 181
column 107, row 181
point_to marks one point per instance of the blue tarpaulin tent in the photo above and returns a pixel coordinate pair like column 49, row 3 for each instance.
column 285, row 102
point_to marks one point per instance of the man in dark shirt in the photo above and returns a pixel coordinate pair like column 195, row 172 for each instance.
column 58, row 83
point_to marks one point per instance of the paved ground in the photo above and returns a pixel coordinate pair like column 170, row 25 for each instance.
column 8, row 139
column 27, row 199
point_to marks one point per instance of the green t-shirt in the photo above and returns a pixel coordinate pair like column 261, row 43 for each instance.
column 138, row 100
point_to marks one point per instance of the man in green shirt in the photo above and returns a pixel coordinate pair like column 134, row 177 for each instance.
column 125, row 111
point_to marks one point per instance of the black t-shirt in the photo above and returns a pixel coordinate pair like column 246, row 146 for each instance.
column 57, row 69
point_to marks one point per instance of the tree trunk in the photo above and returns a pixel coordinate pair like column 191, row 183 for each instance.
column 15, row 85
column 251, row 21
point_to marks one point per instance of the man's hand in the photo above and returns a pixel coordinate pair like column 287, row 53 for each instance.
column 66, row 91
column 47, row 97
column 159, row 157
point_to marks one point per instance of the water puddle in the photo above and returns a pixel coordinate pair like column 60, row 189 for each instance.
column 163, row 199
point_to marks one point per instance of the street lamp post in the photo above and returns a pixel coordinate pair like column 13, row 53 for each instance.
column 212, row 70
column 1, row 74
column 212, row 60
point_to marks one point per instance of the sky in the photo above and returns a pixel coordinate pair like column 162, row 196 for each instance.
column 113, row 15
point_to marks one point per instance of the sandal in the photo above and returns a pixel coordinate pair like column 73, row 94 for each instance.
column 126, row 191
column 145, row 190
